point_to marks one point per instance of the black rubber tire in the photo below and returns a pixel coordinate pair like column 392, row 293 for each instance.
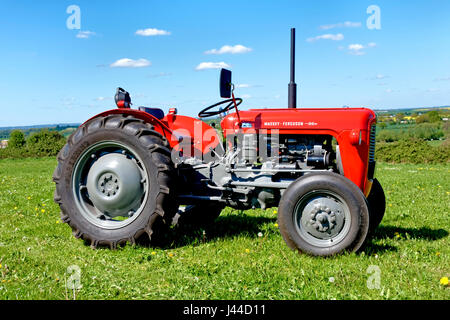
column 199, row 215
column 377, row 205
column 151, row 147
column 339, row 185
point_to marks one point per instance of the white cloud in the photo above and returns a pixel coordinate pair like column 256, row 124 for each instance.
column 356, row 48
column 389, row 90
column 442, row 79
column 379, row 77
column 357, row 53
column 150, row 32
column 243, row 85
column 130, row 63
column 229, row 49
column 346, row 24
column 85, row 34
column 102, row 98
column 211, row 65
column 158, row 75
column 246, row 96
column 328, row 36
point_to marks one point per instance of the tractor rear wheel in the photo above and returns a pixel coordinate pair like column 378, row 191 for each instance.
column 377, row 205
column 323, row 214
column 115, row 181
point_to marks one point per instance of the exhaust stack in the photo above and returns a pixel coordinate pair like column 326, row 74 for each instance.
column 292, row 87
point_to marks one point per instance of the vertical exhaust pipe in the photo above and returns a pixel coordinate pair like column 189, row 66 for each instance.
column 292, row 87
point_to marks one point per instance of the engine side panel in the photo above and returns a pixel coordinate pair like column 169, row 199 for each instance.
column 349, row 126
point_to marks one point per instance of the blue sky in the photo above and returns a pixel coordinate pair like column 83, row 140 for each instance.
column 51, row 74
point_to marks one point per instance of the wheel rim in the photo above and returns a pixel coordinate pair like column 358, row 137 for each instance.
column 322, row 218
column 110, row 185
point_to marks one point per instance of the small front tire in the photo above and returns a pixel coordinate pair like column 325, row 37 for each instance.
column 323, row 214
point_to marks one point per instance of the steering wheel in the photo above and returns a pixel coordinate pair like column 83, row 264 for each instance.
column 205, row 113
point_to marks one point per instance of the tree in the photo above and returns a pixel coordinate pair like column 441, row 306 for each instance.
column 45, row 143
column 16, row 139
column 400, row 116
column 423, row 118
column 434, row 116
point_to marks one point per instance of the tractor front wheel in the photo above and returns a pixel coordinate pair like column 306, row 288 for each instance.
column 115, row 181
column 323, row 214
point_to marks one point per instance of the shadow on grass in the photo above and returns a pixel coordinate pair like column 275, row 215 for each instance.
column 373, row 248
column 224, row 227
column 241, row 224
column 391, row 232
column 423, row 233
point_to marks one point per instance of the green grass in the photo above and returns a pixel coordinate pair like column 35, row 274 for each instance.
column 230, row 261
column 435, row 143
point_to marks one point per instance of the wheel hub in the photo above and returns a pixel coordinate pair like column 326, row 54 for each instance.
column 109, row 184
column 114, row 185
column 321, row 218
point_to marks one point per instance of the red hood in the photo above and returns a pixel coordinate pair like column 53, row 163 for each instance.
column 335, row 119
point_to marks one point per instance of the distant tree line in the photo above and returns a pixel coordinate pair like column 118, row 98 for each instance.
column 411, row 142
column 42, row 143
column 64, row 129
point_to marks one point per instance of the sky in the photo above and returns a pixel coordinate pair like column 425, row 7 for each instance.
column 56, row 68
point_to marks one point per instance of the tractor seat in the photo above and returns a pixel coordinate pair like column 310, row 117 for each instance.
column 156, row 112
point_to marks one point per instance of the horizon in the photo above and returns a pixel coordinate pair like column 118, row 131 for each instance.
column 64, row 68
column 51, row 125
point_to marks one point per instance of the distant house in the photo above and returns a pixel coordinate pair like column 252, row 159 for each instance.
column 3, row 144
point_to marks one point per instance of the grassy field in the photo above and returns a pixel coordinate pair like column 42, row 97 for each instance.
column 242, row 256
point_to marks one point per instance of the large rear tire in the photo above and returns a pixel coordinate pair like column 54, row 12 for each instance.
column 115, row 181
column 323, row 214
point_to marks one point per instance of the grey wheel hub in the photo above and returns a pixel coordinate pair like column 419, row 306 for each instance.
column 322, row 218
column 325, row 217
column 114, row 185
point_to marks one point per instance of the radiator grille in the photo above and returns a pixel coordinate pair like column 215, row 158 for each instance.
column 373, row 130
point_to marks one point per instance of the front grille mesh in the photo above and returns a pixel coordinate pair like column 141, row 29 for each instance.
column 373, row 130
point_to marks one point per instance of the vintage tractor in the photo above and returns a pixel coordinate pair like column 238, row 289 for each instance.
column 127, row 173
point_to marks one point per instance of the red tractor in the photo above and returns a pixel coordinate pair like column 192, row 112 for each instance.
column 128, row 172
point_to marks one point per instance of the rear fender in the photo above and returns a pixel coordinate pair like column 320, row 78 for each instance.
column 158, row 125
